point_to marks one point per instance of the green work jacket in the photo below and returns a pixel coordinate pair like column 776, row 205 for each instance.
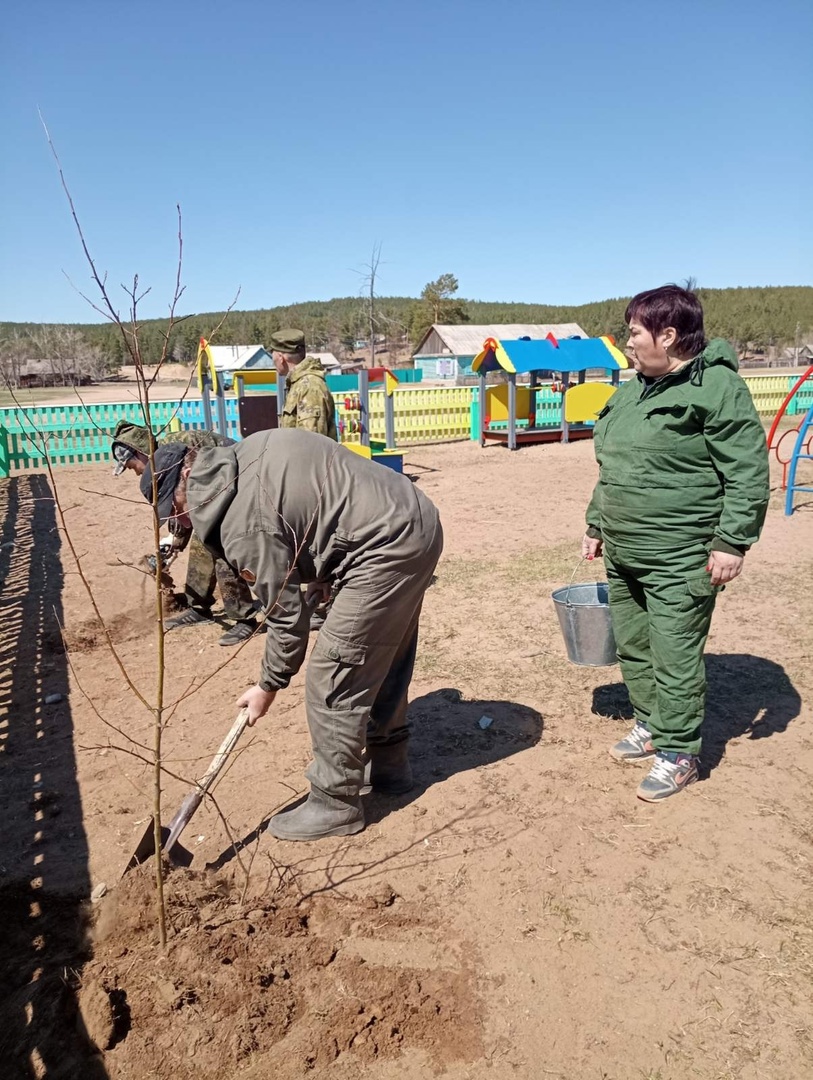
column 285, row 508
column 682, row 461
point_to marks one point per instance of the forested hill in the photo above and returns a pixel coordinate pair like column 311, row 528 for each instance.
column 779, row 315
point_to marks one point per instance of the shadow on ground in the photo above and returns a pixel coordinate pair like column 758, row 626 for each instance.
column 447, row 738
column 44, row 883
column 747, row 696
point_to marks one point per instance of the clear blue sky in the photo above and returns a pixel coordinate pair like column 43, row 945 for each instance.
column 541, row 151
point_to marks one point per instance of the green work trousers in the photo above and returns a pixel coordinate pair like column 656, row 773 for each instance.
column 202, row 573
column 661, row 605
column 361, row 666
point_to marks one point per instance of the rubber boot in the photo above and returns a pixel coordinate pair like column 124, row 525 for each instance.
column 318, row 816
column 390, row 771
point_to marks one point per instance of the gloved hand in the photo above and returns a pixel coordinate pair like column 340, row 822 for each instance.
column 168, row 551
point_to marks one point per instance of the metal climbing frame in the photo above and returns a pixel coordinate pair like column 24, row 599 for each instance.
column 776, row 444
column 801, row 452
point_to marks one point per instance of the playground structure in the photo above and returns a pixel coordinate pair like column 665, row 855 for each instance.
column 258, row 413
column 509, row 413
column 261, row 411
column 802, row 443
column 79, row 433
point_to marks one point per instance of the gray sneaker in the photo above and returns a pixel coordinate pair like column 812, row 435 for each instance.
column 189, row 617
column 240, row 632
column 670, row 773
column 636, row 747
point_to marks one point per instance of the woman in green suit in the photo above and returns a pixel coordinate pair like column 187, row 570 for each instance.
column 682, row 494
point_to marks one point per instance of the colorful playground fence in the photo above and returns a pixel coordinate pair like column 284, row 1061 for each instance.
column 422, row 414
column 80, row 434
column 73, row 434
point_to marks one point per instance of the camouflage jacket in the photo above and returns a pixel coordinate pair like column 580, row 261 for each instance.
column 197, row 439
column 308, row 402
column 138, row 437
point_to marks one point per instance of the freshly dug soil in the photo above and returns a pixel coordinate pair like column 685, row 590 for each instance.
column 266, row 980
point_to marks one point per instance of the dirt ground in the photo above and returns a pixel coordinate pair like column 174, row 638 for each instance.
column 519, row 914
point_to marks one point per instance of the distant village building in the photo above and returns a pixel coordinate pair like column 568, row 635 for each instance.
column 774, row 357
column 446, row 352
column 230, row 358
column 36, row 373
column 798, row 354
column 352, row 366
column 329, row 362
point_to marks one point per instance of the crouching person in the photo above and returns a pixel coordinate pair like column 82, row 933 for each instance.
column 286, row 508
column 131, row 452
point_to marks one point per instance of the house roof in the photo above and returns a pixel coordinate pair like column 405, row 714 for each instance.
column 467, row 339
column 576, row 354
column 233, row 357
column 236, row 357
column 327, row 359
column 50, row 367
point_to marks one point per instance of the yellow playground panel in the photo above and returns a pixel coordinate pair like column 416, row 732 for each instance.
column 585, row 401
column 497, row 407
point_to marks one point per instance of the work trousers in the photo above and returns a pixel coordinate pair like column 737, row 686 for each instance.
column 361, row 666
column 202, row 573
column 661, row 606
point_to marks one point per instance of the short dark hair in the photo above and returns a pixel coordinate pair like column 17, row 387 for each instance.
column 656, row 309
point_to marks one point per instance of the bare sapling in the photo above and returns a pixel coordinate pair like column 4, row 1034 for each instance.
column 129, row 331
column 150, row 751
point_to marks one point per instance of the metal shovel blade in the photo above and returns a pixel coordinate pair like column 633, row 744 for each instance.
column 145, row 849
column 177, row 854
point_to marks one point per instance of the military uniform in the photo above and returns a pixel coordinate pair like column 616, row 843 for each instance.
column 683, row 472
column 309, row 404
column 203, row 570
column 288, row 508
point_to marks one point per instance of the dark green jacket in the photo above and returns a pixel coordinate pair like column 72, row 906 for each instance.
column 682, row 461
column 309, row 404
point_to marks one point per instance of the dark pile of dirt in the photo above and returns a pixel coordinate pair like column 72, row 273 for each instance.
column 266, row 984
column 90, row 634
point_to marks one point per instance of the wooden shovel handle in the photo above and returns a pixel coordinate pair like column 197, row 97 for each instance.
column 195, row 797
column 226, row 747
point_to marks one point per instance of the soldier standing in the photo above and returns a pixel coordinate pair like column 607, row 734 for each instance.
column 131, row 449
column 308, row 402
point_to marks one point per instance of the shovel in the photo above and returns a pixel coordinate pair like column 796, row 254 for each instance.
column 178, row 854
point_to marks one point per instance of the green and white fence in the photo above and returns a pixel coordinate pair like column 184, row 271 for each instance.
column 70, row 434
column 80, row 434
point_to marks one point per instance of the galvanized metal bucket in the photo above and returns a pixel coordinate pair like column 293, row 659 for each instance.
column 584, row 616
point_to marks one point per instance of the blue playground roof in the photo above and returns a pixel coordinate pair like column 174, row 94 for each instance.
column 568, row 355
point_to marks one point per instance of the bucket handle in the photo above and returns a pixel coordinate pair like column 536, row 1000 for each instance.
column 572, row 578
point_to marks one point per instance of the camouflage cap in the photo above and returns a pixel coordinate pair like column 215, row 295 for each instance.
column 129, row 439
column 286, row 341
column 136, row 436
